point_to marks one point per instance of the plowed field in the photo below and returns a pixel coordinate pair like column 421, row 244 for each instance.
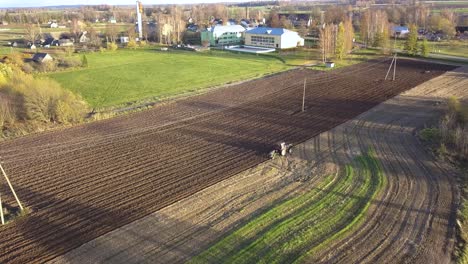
column 86, row 181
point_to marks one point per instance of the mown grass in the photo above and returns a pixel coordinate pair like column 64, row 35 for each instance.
column 295, row 229
column 128, row 76
column 357, row 56
column 300, row 56
column 453, row 47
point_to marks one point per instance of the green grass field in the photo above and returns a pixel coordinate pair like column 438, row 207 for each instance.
column 356, row 57
column 293, row 230
column 452, row 47
column 128, row 76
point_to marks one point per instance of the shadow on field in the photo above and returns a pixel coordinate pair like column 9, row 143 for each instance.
column 168, row 164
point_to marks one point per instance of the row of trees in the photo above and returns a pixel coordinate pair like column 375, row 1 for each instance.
column 336, row 40
column 411, row 44
column 375, row 29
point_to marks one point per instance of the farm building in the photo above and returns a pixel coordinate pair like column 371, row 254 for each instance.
column 84, row 38
column 223, row 35
column 278, row 38
column 42, row 57
column 124, row 39
column 400, row 31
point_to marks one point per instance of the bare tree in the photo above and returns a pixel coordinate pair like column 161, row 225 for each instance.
column 349, row 35
column 31, row 32
column 111, row 32
column 302, row 30
column 94, row 38
column 274, row 20
column 75, row 28
column 146, row 30
column 327, row 41
column 131, row 32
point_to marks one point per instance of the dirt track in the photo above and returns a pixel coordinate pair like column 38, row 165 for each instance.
column 89, row 180
column 411, row 221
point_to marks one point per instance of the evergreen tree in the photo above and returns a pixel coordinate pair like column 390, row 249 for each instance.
column 411, row 44
column 378, row 39
column 84, row 61
column 424, row 48
column 340, row 42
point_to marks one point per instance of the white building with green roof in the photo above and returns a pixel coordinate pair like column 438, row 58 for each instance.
column 223, row 35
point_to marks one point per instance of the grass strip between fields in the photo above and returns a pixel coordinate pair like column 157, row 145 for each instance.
column 298, row 227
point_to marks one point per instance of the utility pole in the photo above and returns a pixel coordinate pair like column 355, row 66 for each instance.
column 1, row 212
column 392, row 64
column 303, row 95
column 11, row 187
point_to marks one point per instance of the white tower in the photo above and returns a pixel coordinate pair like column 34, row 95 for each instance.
column 139, row 8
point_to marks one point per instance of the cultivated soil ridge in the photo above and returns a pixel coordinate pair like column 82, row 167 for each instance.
column 412, row 220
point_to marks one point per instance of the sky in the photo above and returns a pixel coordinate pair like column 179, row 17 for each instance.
column 38, row 3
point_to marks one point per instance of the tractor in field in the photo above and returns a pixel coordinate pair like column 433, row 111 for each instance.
column 281, row 149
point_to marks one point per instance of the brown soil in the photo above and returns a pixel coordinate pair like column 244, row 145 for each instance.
column 86, row 181
column 411, row 220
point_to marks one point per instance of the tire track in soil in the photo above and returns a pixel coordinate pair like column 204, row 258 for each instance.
column 99, row 198
column 428, row 237
column 390, row 134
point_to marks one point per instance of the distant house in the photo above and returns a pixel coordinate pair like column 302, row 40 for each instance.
column 33, row 47
column 112, row 20
column 42, row 57
column 231, row 22
column 83, row 37
column 65, row 42
column 4, row 23
column 400, row 31
column 223, row 35
column 124, row 39
column 53, row 25
column 278, row 38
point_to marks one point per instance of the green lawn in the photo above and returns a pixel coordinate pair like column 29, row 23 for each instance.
column 294, row 230
column 128, row 76
column 453, row 47
column 300, row 56
column 357, row 56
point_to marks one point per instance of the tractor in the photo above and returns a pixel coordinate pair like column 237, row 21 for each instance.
column 281, row 150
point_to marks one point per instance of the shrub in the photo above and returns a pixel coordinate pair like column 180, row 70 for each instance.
column 69, row 62
column 102, row 49
column 132, row 44
column 442, row 151
column 48, row 66
column 16, row 59
column 28, row 68
column 44, row 100
column 69, row 50
column 143, row 43
column 6, row 113
column 431, row 135
column 5, row 73
column 453, row 105
column 112, row 46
